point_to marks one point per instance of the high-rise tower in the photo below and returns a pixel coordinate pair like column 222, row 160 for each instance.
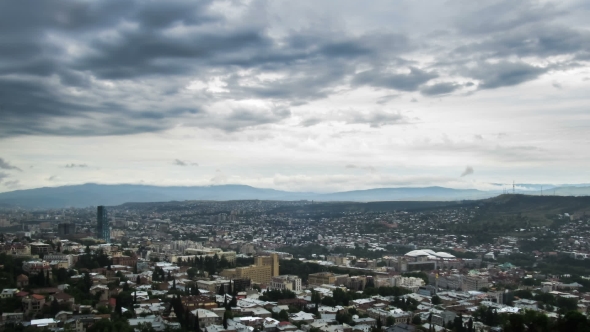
column 103, row 231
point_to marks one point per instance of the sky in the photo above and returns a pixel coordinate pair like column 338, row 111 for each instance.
column 294, row 95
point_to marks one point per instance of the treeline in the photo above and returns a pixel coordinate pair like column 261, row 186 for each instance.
column 210, row 264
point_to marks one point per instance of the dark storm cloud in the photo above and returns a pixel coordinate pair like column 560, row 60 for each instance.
column 120, row 67
column 439, row 89
column 403, row 82
column 496, row 75
column 6, row 165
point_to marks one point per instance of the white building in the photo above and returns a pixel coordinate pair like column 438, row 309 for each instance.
column 289, row 282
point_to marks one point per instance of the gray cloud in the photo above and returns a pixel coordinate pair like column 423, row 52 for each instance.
column 72, row 165
column 439, row 89
column 468, row 171
column 179, row 162
column 371, row 169
column 310, row 122
column 3, row 176
column 5, row 165
column 11, row 183
column 496, row 75
column 52, row 178
column 403, row 82
column 376, row 119
column 114, row 68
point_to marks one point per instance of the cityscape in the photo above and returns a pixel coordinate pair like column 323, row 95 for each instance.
column 294, row 166
column 290, row 266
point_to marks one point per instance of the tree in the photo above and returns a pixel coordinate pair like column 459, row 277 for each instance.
column 379, row 324
column 54, row 307
column 416, row 320
column 391, row 321
column 436, row 300
column 284, row 316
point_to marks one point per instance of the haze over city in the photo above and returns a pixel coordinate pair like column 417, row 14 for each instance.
column 294, row 95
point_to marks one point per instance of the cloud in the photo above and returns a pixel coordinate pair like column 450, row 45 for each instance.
column 505, row 73
column 5, row 165
column 11, row 183
column 72, row 165
column 3, row 176
column 219, row 178
column 439, row 88
column 376, row 119
column 52, row 178
column 371, row 169
column 468, row 171
column 179, row 162
column 398, row 81
column 310, row 122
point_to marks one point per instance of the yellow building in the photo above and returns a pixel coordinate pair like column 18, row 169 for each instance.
column 264, row 268
column 321, row 278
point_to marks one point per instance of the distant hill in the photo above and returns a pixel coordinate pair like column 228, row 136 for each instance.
column 411, row 194
column 97, row 194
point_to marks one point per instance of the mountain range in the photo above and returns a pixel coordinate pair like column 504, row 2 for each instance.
column 100, row 194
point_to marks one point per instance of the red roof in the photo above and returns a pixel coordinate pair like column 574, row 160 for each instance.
column 284, row 323
column 38, row 297
column 113, row 302
column 21, row 294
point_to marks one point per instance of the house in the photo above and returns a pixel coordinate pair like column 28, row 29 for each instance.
column 401, row 327
column 206, row 317
column 33, row 303
column 12, row 317
column 63, row 298
column 22, row 281
column 46, row 323
column 301, row 317
column 8, row 292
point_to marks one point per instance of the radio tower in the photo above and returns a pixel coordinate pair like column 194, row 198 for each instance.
column 513, row 190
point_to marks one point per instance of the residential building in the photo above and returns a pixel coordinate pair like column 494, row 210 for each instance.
column 264, row 268
column 289, row 282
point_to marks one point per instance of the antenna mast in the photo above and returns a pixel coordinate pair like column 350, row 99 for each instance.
column 513, row 190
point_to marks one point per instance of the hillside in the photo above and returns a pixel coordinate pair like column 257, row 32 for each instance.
column 98, row 194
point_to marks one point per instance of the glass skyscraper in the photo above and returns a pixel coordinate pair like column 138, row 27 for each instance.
column 103, row 232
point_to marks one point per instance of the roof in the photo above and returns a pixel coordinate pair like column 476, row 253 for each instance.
column 42, row 322
column 430, row 253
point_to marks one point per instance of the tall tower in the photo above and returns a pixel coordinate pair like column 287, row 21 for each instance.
column 103, row 231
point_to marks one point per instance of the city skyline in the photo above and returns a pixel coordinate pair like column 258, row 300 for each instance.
column 305, row 96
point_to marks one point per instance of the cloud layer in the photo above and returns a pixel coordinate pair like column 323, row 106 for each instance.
column 261, row 88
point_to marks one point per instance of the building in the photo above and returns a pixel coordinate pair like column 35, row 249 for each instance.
column 54, row 259
column 22, row 281
column 321, row 278
column 103, row 232
column 33, row 303
column 66, row 229
column 205, row 317
column 12, row 317
column 8, row 292
column 290, row 282
column 34, row 267
column 40, row 248
column 474, row 283
column 264, row 268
